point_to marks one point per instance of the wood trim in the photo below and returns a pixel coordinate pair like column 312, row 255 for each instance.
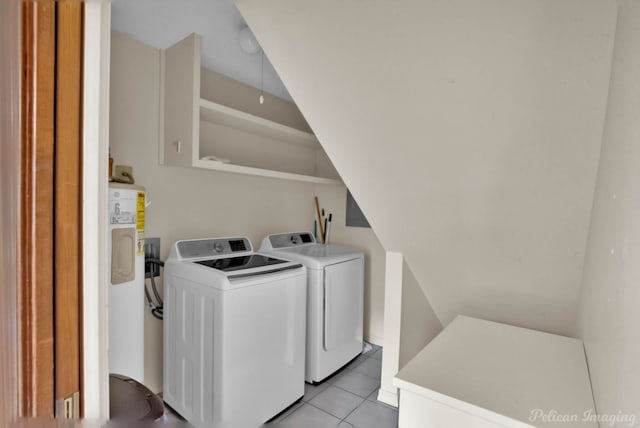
column 68, row 201
column 36, row 292
column 50, row 203
column 10, row 101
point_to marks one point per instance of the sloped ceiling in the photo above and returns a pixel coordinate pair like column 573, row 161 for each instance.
column 468, row 131
column 161, row 23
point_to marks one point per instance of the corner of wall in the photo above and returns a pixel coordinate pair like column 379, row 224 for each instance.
column 609, row 295
column 419, row 322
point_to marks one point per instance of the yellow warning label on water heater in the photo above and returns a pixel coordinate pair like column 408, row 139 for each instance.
column 140, row 211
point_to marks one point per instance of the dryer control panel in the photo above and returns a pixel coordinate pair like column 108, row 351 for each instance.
column 284, row 240
column 199, row 248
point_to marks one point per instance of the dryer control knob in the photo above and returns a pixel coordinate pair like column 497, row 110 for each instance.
column 218, row 247
column 294, row 239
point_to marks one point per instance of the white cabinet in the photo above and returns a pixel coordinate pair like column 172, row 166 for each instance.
column 478, row 373
column 201, row 133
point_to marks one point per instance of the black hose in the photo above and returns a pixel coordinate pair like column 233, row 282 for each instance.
column 155, row 291
column 157, row 310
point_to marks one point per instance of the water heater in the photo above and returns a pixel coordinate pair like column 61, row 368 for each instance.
column 126, row 283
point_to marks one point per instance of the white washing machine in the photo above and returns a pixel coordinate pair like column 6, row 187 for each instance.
column 335, row 299
column 234, row 333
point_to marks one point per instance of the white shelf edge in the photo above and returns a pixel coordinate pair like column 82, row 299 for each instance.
column 256, row 124
column 248, row 170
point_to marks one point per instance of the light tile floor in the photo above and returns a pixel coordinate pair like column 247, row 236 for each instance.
column 348, row 399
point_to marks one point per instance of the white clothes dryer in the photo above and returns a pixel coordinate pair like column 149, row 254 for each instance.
column 335, row 299
column 234, row 333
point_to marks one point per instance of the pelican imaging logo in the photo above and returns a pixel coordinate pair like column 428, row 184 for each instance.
column 613, row 419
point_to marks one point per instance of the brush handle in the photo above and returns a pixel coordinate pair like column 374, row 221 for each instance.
column 320, row 219
column 325, row 237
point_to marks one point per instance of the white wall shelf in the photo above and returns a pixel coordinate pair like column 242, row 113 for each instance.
column 232, row 118
column 241, row 169
column 196, row 128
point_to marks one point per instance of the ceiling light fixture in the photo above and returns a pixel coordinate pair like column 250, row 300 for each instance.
column 248, row 42
column 250, row 45
column 261, row 98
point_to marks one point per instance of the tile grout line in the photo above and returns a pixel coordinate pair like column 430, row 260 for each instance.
column 330, row 383
column 364, row 399
column 353, row 370
column 345, row 418
column 370, row 377
column 316, row 407
column 346, row 390
column 342, row 389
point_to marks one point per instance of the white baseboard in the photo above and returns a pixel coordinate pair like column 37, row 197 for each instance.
column 388, row 397
column 376, row 340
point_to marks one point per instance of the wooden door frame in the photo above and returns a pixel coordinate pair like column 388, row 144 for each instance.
column 37, row 201
column 68, row 206
column 26, row 173
column 10, row 101
column 50, row 282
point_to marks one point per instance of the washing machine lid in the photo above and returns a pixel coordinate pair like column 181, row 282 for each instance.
column 218, row 261
column 250, row 261
column 248, row 266
column 317, row 256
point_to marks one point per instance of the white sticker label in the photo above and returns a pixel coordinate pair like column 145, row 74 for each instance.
column 122, row 209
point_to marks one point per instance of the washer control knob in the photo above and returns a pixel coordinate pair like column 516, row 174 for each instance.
column 294, row 239
column 218, row 247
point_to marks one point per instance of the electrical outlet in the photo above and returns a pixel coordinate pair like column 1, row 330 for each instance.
column 151, row 251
